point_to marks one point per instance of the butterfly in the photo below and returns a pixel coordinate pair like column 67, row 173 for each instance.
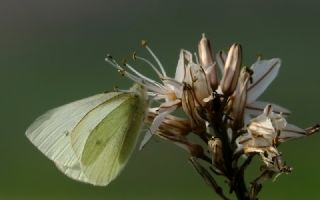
column 91, row 140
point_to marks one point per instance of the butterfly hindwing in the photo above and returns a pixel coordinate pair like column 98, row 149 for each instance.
column 104, row 153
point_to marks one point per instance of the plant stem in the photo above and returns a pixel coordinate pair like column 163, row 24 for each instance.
column 233, row 173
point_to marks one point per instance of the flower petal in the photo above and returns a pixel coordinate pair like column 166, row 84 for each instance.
column 163, row 112
column 221, row 57
column 257, row 107
column 265, row 72
column 185, row 58
column 246, row 118
column 291, row 132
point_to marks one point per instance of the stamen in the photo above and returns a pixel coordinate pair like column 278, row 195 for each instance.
column 151, row 85
column 150, row 64
column 148, row 85
column 115, row 64
column 141, row 75
column 172, row 82
column 155, row 58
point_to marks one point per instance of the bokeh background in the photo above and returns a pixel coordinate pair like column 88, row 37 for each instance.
column 52, row 52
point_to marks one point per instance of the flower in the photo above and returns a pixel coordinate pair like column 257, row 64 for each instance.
column 222, row 111
column 263, row 73
column 196, row 89
column 187, row 89
column 265, row 133
column 195, row 82
column 169, row 89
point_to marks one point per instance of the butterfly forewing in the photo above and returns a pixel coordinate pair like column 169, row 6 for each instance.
column 50, row 133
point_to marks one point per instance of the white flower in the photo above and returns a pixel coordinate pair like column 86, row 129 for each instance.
column 269, row 129
column 264, row 72
column 187, row 89
column 169, row 89
column 265, row 133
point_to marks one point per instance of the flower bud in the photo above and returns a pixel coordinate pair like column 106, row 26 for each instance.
column 190, row 106
column 231, row 70
column 240, row 100
column 205, row 52
column 196, row 78
column 215, row 148
column 207, row 62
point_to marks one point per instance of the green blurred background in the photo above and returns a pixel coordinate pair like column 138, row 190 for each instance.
column 52, row 52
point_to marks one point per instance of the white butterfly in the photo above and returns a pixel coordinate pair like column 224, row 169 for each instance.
column 91, row 140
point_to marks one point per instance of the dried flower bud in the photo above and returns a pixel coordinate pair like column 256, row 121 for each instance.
column 190, row 106
column 185, row 57
column 231, row 70
column 195, row 91
column 240, row 100
column 205, row 52
column 207, row 62
column 196, row 78
column 215, row 147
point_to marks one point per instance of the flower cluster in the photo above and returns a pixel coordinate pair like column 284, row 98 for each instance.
column 219, row 98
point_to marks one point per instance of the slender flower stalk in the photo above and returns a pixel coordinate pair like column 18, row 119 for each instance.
column 224, row 113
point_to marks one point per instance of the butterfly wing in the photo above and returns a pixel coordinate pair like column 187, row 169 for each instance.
column 104, row 143
column 50, row 133
column 69, row 135
column 75, row 172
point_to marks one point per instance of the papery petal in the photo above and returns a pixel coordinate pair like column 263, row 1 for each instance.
column 173, row 86
column 262, row 142
column 251, row 149
column 291, row 132
column 190, row 105
column 278, row 121
column 231, row 70
column 185, row 58
column 168, row 105
column 176, row 125
column 257, row 107
column 264, row 72
column 240, row 100
column 221, row 57
column 244, row 139
column 196, row 78
column 261, row 127
column 156, row 124
column 246, row 118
